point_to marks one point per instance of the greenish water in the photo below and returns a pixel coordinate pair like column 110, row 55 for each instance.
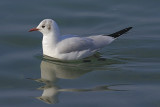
column 129, row 77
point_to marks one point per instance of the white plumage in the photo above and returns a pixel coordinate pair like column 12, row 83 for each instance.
column 71, row 47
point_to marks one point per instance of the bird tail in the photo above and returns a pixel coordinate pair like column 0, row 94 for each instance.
column 119, row 33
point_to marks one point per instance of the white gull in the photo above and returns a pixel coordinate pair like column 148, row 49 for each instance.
column 71, row 47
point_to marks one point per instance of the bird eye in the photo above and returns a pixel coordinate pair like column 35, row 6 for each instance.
column 43, row 26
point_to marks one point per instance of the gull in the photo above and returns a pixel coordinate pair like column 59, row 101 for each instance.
column 71, row 47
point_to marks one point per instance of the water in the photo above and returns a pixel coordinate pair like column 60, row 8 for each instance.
column 129, row 77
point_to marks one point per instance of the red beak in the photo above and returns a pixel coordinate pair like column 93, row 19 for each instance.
column 34, row 29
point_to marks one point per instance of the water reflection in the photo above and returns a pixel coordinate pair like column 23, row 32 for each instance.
column 51, row 71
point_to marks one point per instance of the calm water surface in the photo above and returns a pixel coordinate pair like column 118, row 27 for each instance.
column 129, row 77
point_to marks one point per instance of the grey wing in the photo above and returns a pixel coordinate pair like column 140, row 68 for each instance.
column 101, row 41
column 75, row 44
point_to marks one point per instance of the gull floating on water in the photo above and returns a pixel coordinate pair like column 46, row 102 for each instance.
column 71, row 47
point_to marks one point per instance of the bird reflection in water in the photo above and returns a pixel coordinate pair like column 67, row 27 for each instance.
column 51, row 71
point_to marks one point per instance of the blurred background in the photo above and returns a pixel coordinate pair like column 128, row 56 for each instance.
column 129, row 77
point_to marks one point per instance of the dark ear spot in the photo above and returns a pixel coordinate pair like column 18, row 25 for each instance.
column 49, row 27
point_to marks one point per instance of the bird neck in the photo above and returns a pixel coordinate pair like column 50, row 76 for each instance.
column 49, row 42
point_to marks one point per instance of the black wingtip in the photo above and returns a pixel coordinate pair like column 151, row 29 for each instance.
column 119, row 33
